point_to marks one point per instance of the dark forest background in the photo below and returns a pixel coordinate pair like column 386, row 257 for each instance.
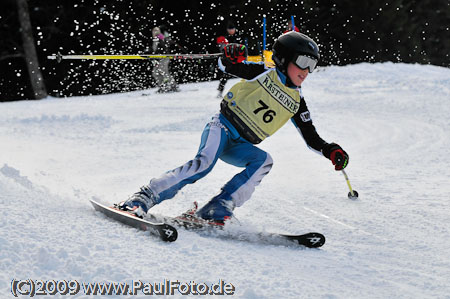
column 347, row 31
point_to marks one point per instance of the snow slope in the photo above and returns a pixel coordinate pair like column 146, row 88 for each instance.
column 393, row 120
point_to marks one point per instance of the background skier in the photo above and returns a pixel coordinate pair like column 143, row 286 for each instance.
column 231, row 36
column 161, row 44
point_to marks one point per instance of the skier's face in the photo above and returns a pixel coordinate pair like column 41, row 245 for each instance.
column 296, row 74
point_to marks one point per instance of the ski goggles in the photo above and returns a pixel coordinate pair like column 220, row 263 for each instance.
column 305, row 62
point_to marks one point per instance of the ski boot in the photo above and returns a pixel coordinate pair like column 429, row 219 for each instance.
column 139, row 203
column 218, row 209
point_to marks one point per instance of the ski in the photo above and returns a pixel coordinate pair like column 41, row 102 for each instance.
column 160, row 229
column 190, row 222
column 310, row 240
column 165, row 228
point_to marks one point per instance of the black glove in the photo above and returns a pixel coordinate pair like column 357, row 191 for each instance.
column 235, row 53
column 337, row 155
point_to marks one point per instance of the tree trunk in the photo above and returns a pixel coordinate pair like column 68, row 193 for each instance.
column 35, row 74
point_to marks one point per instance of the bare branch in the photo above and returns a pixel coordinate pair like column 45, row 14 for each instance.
column 17, row 55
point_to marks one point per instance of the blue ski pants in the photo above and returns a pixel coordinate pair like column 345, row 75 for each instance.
column 219, row 140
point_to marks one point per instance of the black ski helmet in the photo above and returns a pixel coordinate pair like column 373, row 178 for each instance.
column 290, row 45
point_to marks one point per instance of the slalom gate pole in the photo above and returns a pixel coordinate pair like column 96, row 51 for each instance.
column 58, row 57
column 264, row 34
column 292, row 21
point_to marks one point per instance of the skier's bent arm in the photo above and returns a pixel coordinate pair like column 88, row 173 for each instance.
column 233, row 62
column 245, row 70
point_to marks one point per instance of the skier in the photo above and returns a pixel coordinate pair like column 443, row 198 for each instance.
column 251, row 110
column 231, row 37
column 161, row 45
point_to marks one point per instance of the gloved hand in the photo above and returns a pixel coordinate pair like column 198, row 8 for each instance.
column 235, row 53
column 221, row 40
column 337, row 155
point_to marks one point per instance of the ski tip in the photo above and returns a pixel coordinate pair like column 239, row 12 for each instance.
column 168, row 233
column 314, row 240
column 309, row 240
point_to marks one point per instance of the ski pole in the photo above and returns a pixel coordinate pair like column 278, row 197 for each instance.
column 60, row 57
column 352, row 194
